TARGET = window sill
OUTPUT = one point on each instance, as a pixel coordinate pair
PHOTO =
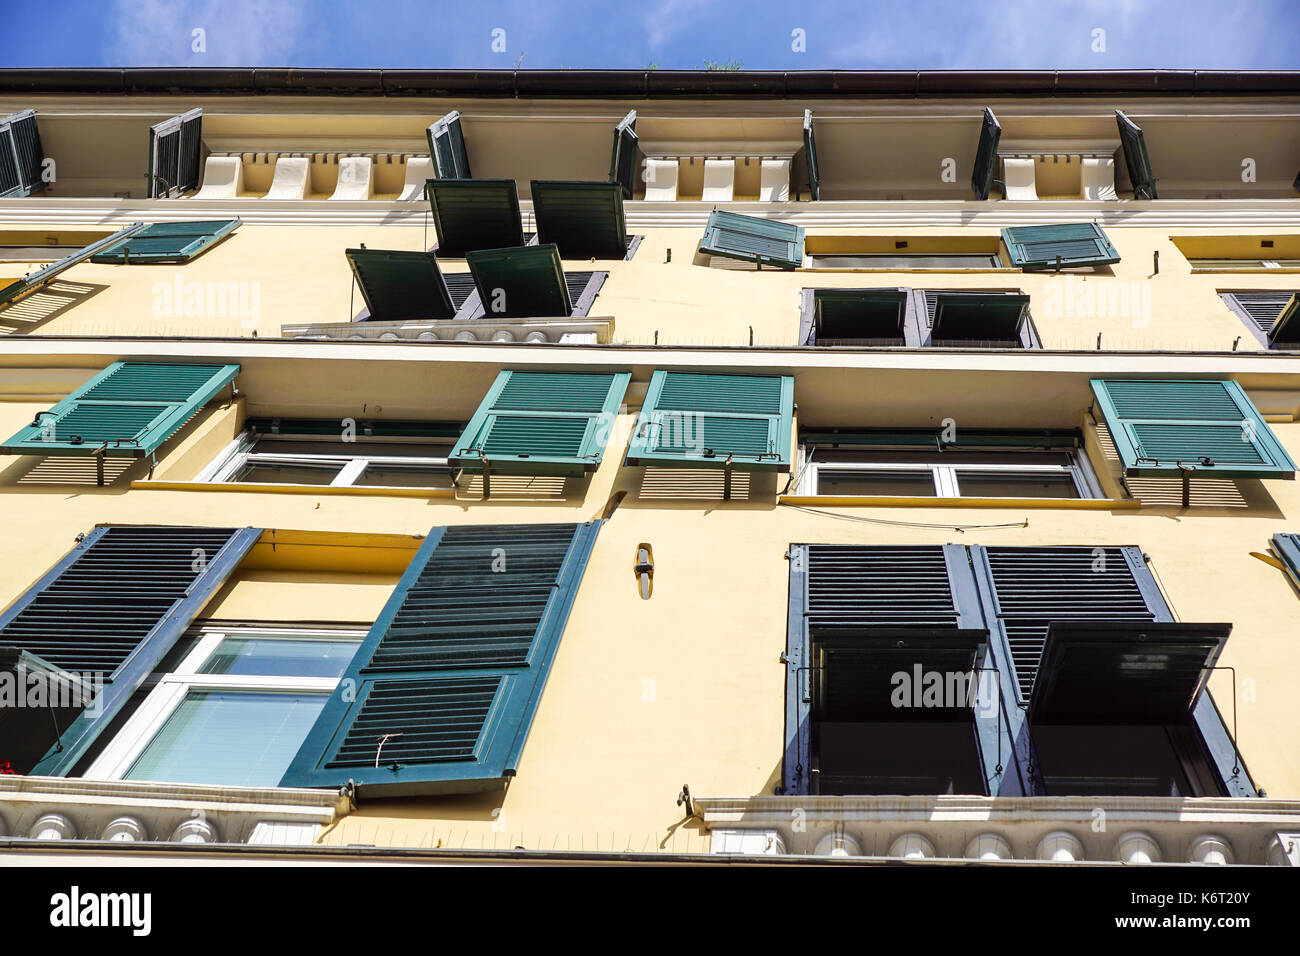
(355, 491)
(930, 271)
(879, 501)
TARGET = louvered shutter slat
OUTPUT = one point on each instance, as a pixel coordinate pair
(21, 155)
(449, 678)
(447, 148)
(583, 220)
(473, 214)
(1061, 245)
(400, 285)
(750, 239)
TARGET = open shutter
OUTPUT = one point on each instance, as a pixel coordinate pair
(584, 220)
(400, 284)
(21, 288)
(1058, 246)
(1167, 428)
(175, 155)
(1286, 328)
(622, 160)
(521, 282)
(707, 420)
(441, 694)
(1287, 547)
(21, 155)
(750, 239)
(810, 156)
(1136, 158)
(471, 214)
(535, 423)
(447, 148)
(986, 156)
(855, 317)
(126, 411)
(168, 242)
(1260, 310)
(113, 608)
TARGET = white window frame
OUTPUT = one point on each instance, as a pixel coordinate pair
(171, 688)
(239, 454)
(944, 476)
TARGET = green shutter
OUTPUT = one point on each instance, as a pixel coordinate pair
(1136, 158)
(1286, 329)
(810, 156)
(447, 148)
(399, 284)
(114, 607)
(472, 214)
(440, 696)
(21, 156)
(584, 220)
(127, 411)
(622, 160)
(542, 423)
(168, 242)
(175, 154)
(995, 319)
(986, 156)
(860, 317)
(701, 419)
(751, 239)
(1211, 427)
(1059, 246)
(520, 283)
(23, 287)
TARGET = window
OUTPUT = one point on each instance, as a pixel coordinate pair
(314, 452)
(1276, 253)
(234, 711)
(919, 465)
(917, 318)
(902, 254)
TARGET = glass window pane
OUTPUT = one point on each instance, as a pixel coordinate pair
(260, 472)
(404, 476)
(281, 657)
(899, 483)
(230, 738)
(274, 445)
(1009, 484)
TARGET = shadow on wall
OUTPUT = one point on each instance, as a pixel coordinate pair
(39, 307)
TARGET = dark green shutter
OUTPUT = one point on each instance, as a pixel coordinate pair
(703, 419)
(21, 156)
(751, 239)
(1261, 310)
(472, 214)
(995, 320)
(986, 156)
(536, 423)
(860, 317)
(584, 220)
(1164, 428)
(168, 242)
(1285, 332)
(1287, 547)
(441, 694)
(810, 156)
(1058, 246)
(521, 282)
(447, 148)
(175, 155)
(127, 411)
(21, 288)
(114, 606)
(622, 160)
(399, 285)
(1136, 158)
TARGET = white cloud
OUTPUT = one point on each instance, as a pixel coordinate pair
(664, 19)
(161, 33)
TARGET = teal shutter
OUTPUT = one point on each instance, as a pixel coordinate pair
(521, 282)
(986, 156)
(471, 214)
(542, 423)
(126, 411)
(21, 156)
(584, 220)
(751, 239)
(708, 420)
(168, 242)
(23, 287)
(1164, 428)
(113, 607)
(175, 155)
(1136, 158)
(447, 148)
(622, 160)
(1059, 246)
(441, 694)
(810, 156)
(400, 284)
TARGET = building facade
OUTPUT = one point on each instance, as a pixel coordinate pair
(649, 465)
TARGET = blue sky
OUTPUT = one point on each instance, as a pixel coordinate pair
(672, 34)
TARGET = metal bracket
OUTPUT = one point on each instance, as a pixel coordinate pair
(487, 474)
(726, 477)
